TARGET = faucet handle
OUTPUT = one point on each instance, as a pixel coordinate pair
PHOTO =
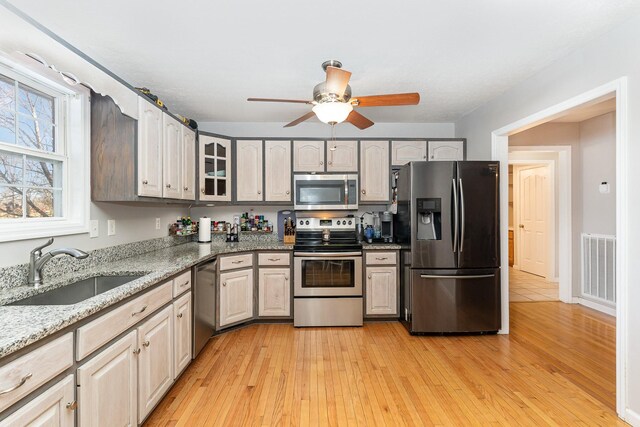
(39, 248)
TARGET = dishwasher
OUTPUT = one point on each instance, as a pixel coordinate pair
(204, 304)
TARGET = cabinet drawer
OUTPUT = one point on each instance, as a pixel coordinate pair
(182, 283)
(273, 258)
(387, 258)
(23, 375)
(236, 261)
(95, 334)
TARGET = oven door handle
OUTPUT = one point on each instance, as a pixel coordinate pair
(326, 254)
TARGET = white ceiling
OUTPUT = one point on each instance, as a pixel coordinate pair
(204, 58)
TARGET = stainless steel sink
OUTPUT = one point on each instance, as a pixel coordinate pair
(78, 291)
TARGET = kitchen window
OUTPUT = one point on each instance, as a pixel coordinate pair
(44, 140)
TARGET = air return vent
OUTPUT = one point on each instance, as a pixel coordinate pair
(598, 268)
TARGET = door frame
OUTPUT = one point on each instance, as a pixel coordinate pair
(500, 152)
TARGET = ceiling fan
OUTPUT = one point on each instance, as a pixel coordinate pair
(333, 103)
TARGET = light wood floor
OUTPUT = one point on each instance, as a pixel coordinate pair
(557, 367)
(526, 287)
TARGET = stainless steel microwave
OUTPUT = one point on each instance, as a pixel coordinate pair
(325, 191)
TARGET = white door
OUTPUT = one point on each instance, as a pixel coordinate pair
(236, 296)
(172, 157)
(533, 210)
(308, 156)
(403, 152)
(277, 171)
(149, 149)
(381, 290)
(274, 292)
(342, 156)
(107, 386)
(215, 168)
(48, 409)
(446, 150)
(182, 333)
(188, 164)
(374, 171)
(155, 368)
(249, 171)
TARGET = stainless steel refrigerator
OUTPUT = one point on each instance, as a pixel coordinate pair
(448, 223)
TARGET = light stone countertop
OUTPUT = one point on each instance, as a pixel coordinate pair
(24, 325)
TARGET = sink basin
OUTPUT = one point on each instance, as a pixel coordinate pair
(78, 291)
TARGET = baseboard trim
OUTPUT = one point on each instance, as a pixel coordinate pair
(596, 306)
(632, 417)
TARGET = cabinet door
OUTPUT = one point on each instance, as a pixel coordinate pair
(342, 156)
(308, 156)
(274, 292)
(182, 333)
(107, 386)
(215, 168)
(381, 290)
(446, 150)
(277, 171)
(403, 152)
(171, 158)
(155, 363)
(188, 164)
(249, 176)
(236, 296)
(47, 409)
(149, 149)
(374, 171)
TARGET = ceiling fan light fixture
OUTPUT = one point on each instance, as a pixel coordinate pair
(332, 112)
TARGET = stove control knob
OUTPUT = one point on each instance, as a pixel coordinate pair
(350, 222)
(306, 222)
(301, 222)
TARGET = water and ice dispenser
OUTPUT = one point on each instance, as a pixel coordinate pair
(429, 215)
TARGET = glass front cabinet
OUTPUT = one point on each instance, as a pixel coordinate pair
(215, 168)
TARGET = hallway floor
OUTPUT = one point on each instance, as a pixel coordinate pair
(526, 287)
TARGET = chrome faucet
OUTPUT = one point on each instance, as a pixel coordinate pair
(37, 260)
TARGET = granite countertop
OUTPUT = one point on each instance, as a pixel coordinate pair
(24, 325)
(381, 246)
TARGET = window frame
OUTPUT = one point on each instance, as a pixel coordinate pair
(72, 139)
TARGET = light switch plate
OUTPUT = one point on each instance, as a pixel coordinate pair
(111, 227)
(94, 228)
(157, 223)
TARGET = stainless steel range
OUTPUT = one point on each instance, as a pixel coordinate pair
(327, 273)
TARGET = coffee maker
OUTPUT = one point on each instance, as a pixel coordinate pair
(386, 222)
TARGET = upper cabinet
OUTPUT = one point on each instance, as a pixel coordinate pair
(171, 158)
(188, 164)
(150, 133)
(215, 168)
(308, 156)
(342, 156)
(403, 152)
(446, 150)
(249, 175)
(374, 171)
(277, 171)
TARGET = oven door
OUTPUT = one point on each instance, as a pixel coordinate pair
(326, 192)
(327, 274)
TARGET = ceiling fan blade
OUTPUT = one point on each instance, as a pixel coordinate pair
(337, 80)
(300, 119)
(386, 100)
(295, 101)
(358, 120)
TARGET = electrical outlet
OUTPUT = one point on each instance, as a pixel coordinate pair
(157, 223)
(111, 227)
(94, 228)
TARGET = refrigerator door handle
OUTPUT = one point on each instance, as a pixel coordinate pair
(477, 276)
(455, 216)
(462, 217)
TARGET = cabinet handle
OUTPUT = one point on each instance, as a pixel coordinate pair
(72, 406)
(17, 386)
(381, 258)
(364, 191)
(224, 283)
(286, 277)
(187, 282)
(168, 185)
(369, 277)
(274, 259)
(146, 344)
(136, 351)
(259, 192)
(145, 182)
(138, 312)
(330, 162)
(287, 192)
(237, 262)
(202, 191)
(180, 316)
(321, 163)
(186, 188)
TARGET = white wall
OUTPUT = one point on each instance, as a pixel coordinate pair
(600, 61)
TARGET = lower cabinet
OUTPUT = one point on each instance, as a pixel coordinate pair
(155, 363)
(236, 296)
(181, 334)
(274, 296)
(107, 386)
(382, 290)
(54, 407)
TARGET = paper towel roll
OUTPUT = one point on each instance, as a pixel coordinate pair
(204, 230)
